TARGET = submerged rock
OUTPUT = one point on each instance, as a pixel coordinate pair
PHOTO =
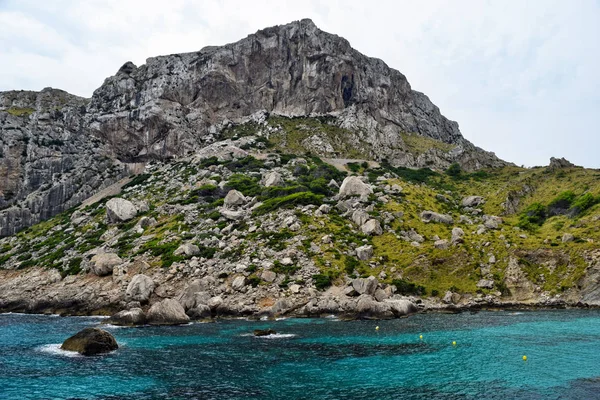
(91, 341)
(264, 332)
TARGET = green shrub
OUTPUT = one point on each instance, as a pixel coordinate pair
(295, 199)
(279, 268)
(350, 264)
(137, 180)
(561, 203)
(532, 216)
(207, 252)
(251, 268)
(246, 164)
(322, 281)
(454, 170)
(73, 267)
(354, 167)
(408, 288)
(253, 280)
(583, 203)
(245, 184)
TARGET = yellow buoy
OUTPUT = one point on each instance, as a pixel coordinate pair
(454, 343)
(421, 337)
(524, 358)
(376, 328)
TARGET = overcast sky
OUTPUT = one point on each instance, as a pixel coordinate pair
(522, 78)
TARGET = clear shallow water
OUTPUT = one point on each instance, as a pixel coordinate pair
(313, 359)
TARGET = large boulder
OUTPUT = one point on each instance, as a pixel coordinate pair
(354, 186)
(365, 285)
(133, 317)
(102, 264)
(140, 288)
(360, 217)
(492, 221)
(167, 312)
(233, 215)
(367, 307)
(120, 210)
(234, 199)
(365, 252)
(401, 307)
(430, 216)
(472, 201)
(273, 178)
(91, 341)
(372, 227)
(187, 249)
(457, 235)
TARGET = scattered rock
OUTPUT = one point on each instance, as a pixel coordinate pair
(187, 249)
(442, 244)
(91, 341)
(167, 312)
(132, 317)
(102, 264)
(430, 216)
(485, 284)
(372, 227)
(238, 283)
(268, 276)
(568, 237)
(354, 186)
(365, 285)
(120, 210)
(472, 201)
(234, 199)
(140, 288)
(273, 178)
(365, 252)
(457, 235)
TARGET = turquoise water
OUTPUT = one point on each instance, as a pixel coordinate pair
(313, 359)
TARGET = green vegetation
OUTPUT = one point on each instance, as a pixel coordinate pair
(20, 112)
(296, 199)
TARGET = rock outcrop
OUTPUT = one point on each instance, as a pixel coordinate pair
(167, 312)
(91, 341)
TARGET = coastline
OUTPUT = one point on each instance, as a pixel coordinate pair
(42, 291)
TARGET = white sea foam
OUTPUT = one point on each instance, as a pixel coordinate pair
(277, 336)
(56, 350)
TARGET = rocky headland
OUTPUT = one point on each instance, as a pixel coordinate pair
(282, 175)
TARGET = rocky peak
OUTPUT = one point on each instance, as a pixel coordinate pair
(559, 163)
(174, 104)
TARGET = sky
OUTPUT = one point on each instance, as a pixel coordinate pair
(522, 78)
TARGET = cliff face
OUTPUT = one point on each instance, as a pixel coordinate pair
(57, 149)
(48, 161)
(173, 104)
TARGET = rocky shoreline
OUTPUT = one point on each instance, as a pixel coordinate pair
(135, 299)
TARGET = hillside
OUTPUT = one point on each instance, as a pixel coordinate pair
(56, 149)
(245, 228)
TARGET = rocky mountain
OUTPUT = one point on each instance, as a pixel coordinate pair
(56, 149)
(285, 174)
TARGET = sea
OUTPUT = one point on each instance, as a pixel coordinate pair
(425, 356)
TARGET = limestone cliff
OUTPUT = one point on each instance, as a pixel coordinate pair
(57, 149)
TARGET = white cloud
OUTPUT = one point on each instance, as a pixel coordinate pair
(520, 77)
